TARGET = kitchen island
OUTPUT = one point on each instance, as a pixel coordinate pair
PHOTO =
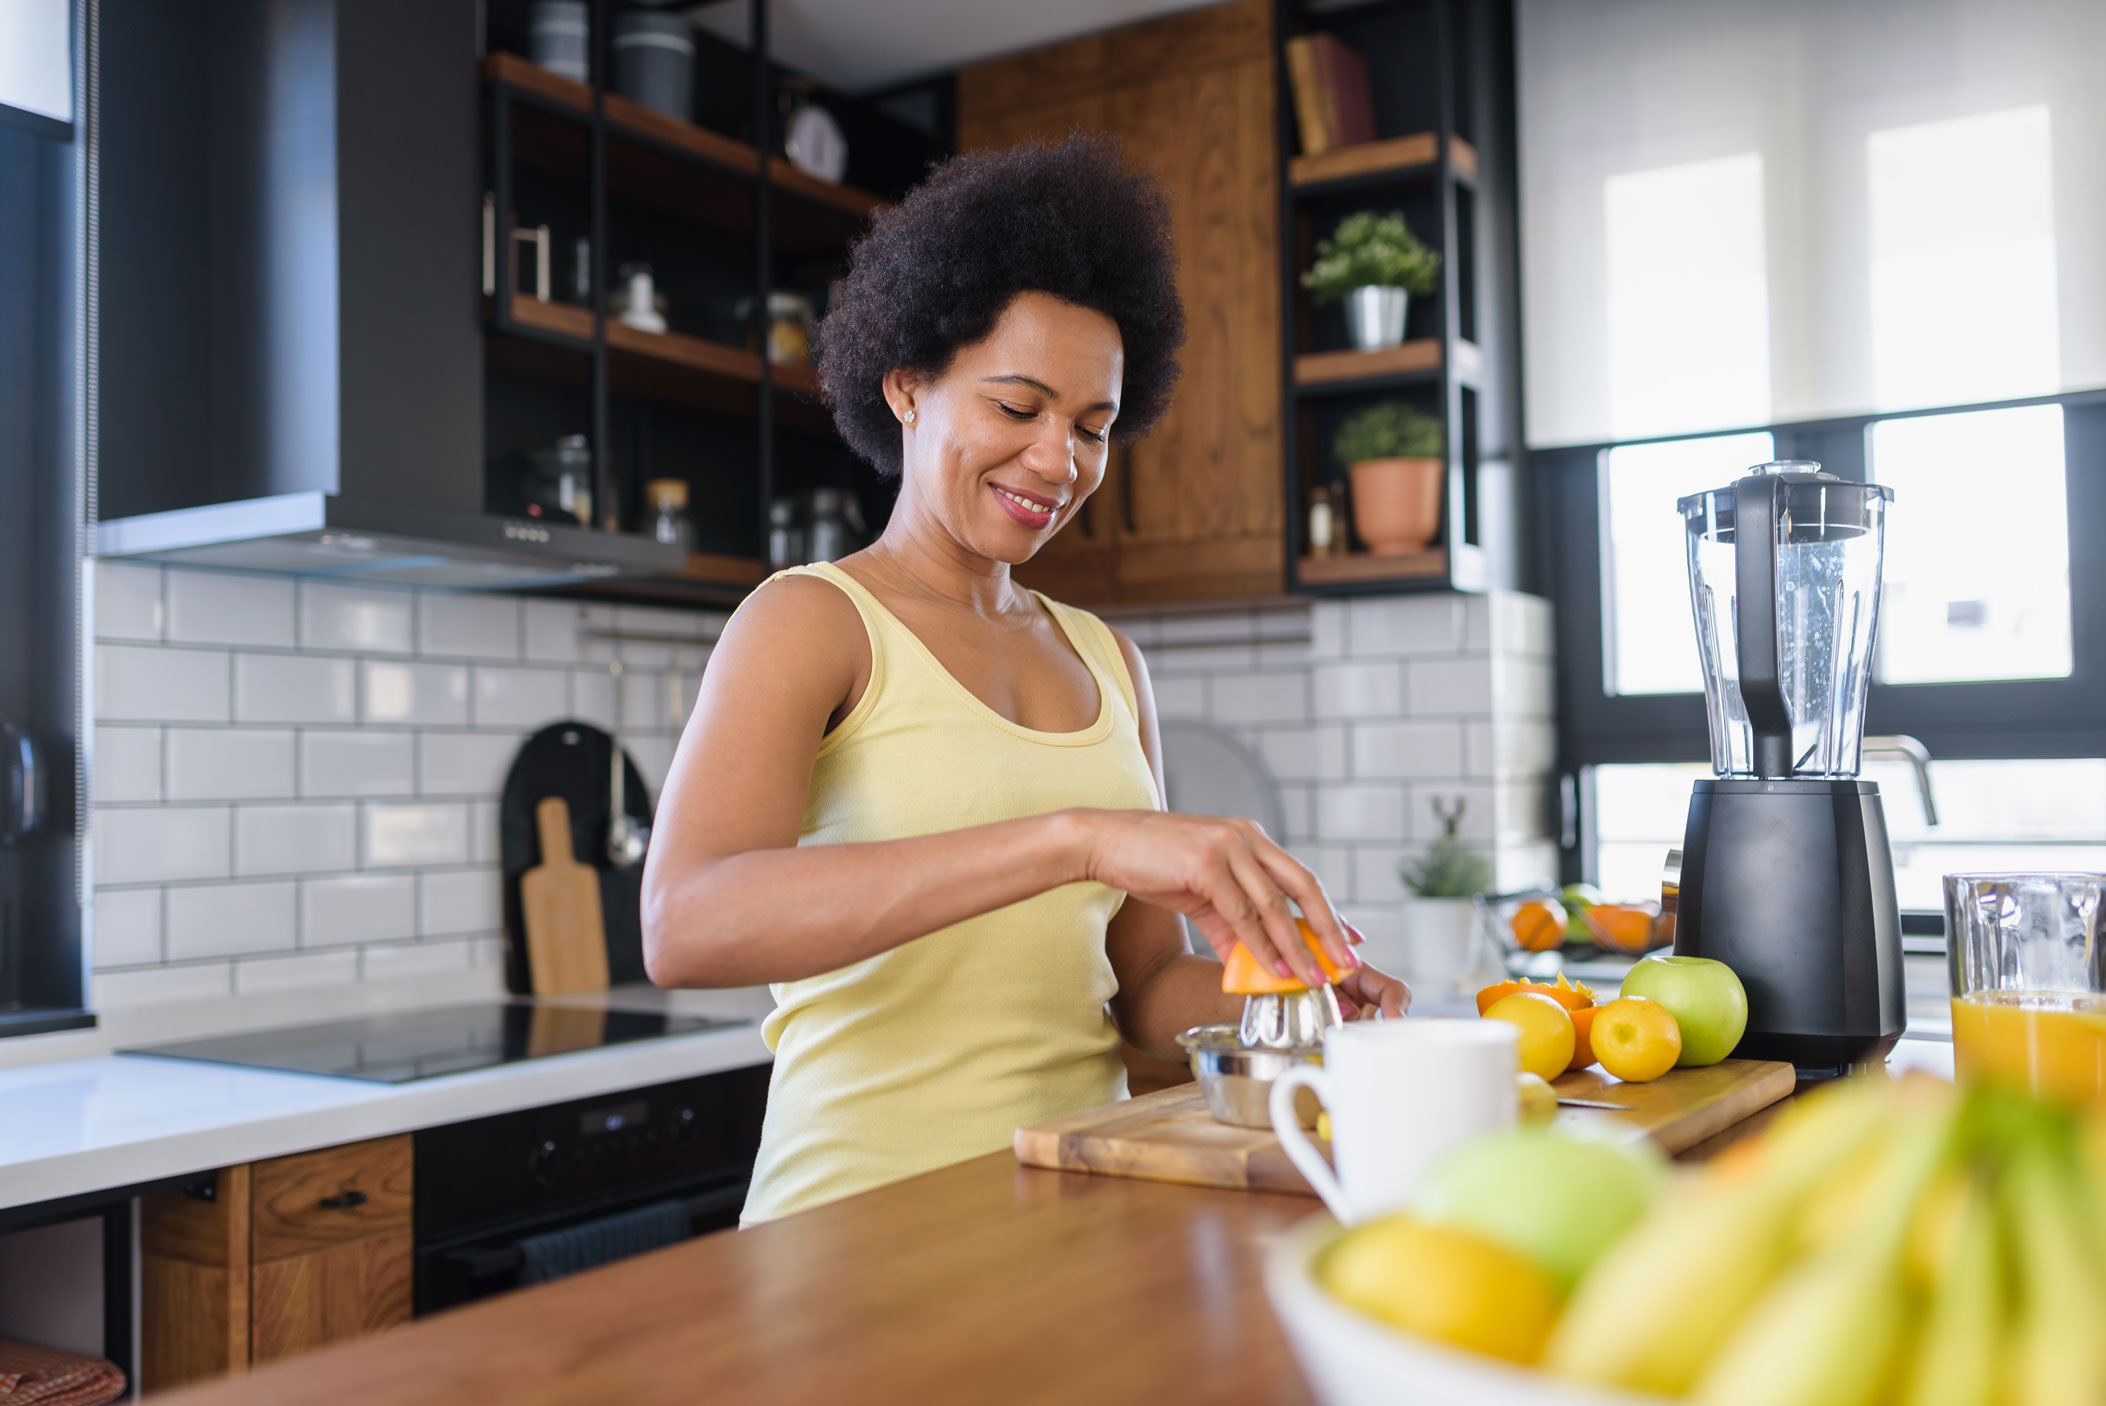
(985, 1281)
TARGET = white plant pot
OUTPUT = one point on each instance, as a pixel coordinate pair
(1375, 316)
(1439, 946)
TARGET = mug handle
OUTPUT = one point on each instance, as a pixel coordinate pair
(1300, 1150)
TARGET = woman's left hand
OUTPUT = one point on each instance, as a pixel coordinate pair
(1367, 994)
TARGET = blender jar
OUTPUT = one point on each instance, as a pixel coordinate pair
(2027, 958)
(1790, 611)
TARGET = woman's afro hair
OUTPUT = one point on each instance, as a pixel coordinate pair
(936, 271)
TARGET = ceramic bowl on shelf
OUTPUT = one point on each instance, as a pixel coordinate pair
(1350, 1359)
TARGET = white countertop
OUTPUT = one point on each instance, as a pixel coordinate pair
(93, 1124)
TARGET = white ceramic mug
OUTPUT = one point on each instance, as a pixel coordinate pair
(1400, 1093)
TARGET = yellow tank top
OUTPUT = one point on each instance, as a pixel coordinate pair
(939, 1049)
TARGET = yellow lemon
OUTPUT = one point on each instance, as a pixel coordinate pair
(1539, 1101)
(1444, 1283)
(1547, 1037)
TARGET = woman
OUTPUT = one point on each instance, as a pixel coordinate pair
(914, 796)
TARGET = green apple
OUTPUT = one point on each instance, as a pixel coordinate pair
(1555, 1199)
(1578, 898)
(1705, 998)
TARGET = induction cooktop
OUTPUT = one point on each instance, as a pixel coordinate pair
(396, 1047)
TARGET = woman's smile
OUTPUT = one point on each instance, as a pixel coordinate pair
(1029, 509)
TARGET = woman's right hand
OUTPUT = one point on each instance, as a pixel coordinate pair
(1225, 875)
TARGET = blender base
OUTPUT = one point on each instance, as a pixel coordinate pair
(1791, 884)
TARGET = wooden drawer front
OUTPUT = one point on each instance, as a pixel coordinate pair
(319, 1199)
(305, 1301)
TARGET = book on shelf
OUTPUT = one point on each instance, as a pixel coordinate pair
(1349, 104)
(1308, 99)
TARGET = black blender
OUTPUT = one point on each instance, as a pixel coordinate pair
(1785, 872)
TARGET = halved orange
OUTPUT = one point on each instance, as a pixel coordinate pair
(1562, 991)
(1242, 976)
(1582, 1040)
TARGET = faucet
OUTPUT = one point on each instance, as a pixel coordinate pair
(1918, 757)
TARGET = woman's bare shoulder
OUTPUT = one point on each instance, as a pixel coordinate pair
(797, 618)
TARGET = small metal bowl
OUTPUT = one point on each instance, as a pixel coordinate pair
(1237, 1080)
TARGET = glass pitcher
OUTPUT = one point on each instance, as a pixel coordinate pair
(1785, 613)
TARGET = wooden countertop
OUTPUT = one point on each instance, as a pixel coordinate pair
(986, 1281)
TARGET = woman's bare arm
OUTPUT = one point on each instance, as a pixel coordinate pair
(730, 900)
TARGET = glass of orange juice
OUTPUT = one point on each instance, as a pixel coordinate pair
(2027, 957)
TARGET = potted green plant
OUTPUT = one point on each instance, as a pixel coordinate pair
(1375, 265)
(1440, 919)
(1395, 457)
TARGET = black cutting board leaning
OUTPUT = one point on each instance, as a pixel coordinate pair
(570, 759)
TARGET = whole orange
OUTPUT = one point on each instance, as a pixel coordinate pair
(1582, 1037)
(1546, 1031)
(1635, 1039)
(1539, 925)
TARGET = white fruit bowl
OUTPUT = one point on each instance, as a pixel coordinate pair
(1353, 1360)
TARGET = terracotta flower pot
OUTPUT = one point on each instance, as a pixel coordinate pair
(1397, 503)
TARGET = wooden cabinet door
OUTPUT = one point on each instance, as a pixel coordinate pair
(1202, 511)
(324, 1296)
(1194, 511)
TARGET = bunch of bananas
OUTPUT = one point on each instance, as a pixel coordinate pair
(1901, 1242)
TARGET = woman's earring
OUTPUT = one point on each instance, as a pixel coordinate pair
(910, 417)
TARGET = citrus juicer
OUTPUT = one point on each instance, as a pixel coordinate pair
(1288, 1020)
(1786, 875)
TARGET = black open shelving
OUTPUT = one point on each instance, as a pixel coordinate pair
(1441, 81)
(721, 221)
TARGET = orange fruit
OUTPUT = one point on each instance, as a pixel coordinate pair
(1582, 1038)
(1635, 1039)
(1562, 991)
(1242, 976)
(1621, 927)
(1539, 925)
(1546, 1031)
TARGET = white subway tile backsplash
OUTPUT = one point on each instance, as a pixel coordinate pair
(151, 985)
(223, 920)
(127, 928)
(1420, 625)
(1327, 629)
(486, 830)
(1511, 747)
(1360, 812)
(1522, 624)
(1297, 813)
(1333, 864)
(1274, 622)
(293, 688)
(229, 763)
(464, 763)
(1359, 690)
(1280, 655)
(127, 765)
(1430, 800)
(128, 604)
(554, 632)
(296, 839)
(1261, 698)
(397, 835)
(1449, 687)
(1169, 661)
(1305, 753)
(356, 619)
(307, 969)
(471, 626)
(215, 607)
(1203, 625)
(140, 683)
(1478, 637)
(162, 845)
(357, 764)
(432, 695)
(646, 707)
(592, 698)
(520, 697)
(404, 960)
(1522, 688)
(1404, 750)
(459, 901)
(1180, 697)
(1375, 877)
(653, 757)
(350, 908)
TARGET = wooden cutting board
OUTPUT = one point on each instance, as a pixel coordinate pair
(559, 899)
(1170, 1136)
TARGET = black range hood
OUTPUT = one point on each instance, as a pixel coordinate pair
(291, 326)
(320, 534)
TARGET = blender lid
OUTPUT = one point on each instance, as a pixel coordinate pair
(1818, 505)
